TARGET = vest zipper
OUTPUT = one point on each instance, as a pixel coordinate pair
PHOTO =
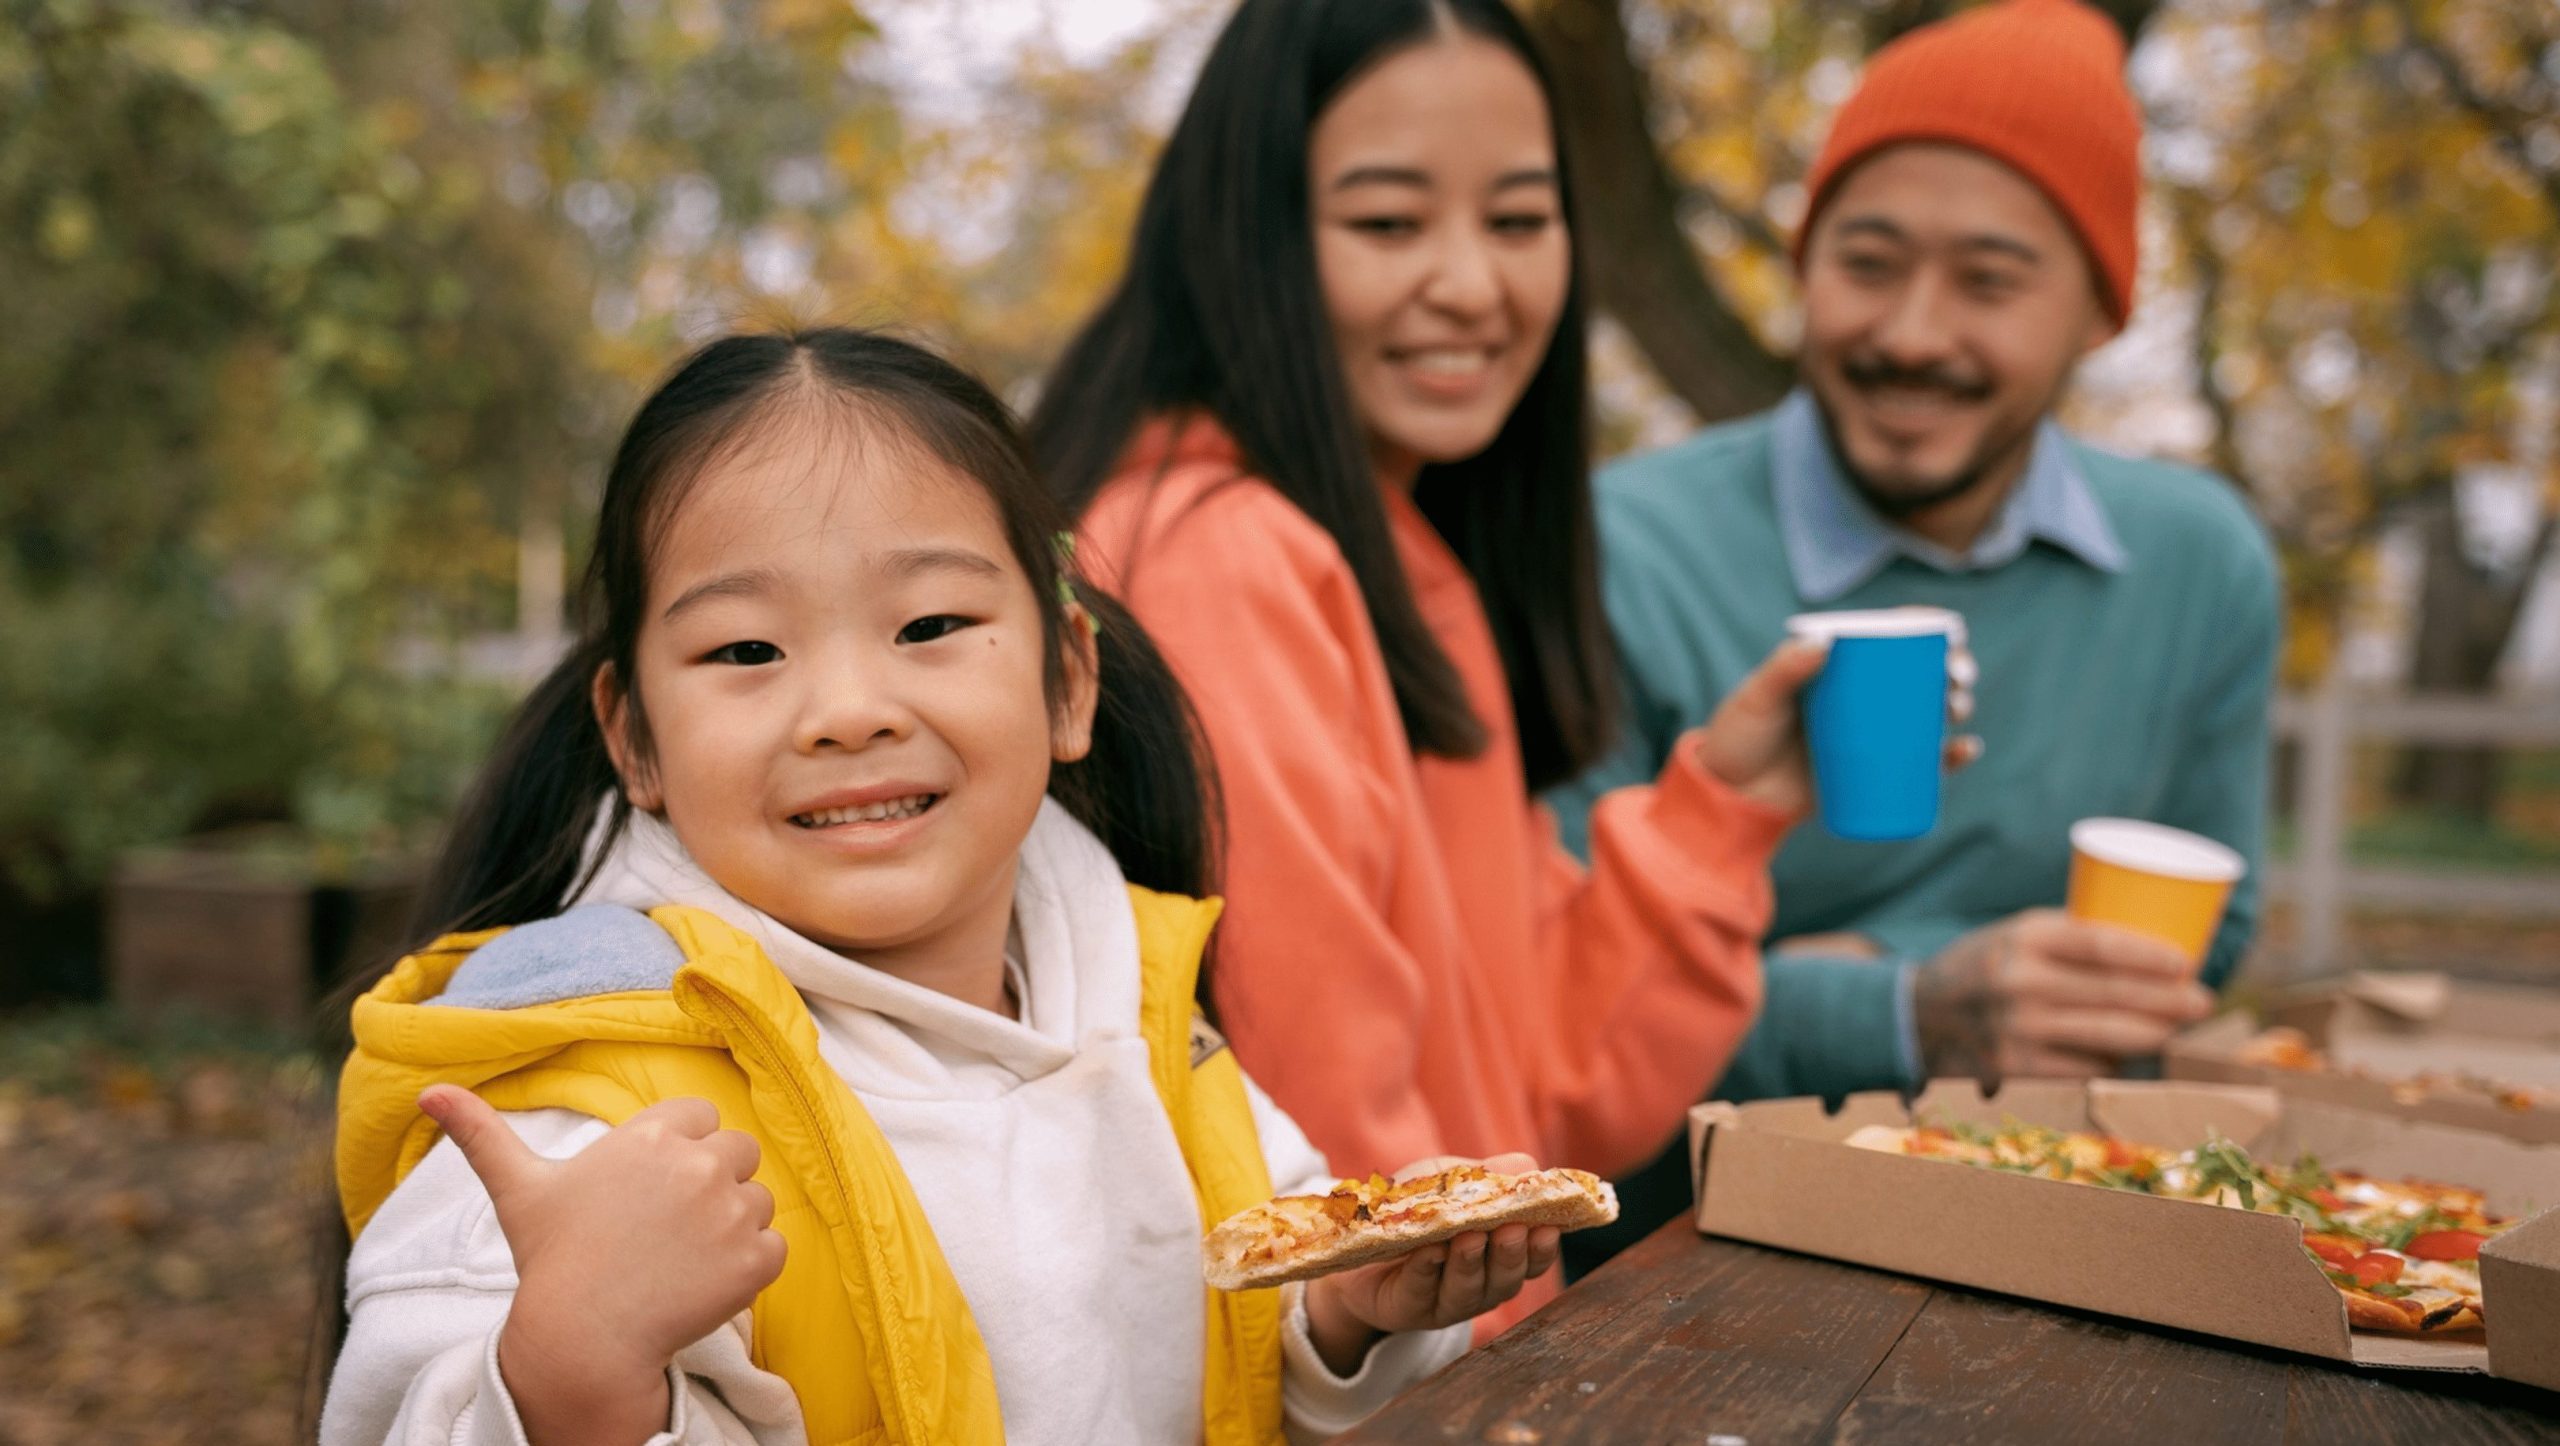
(740, 1025)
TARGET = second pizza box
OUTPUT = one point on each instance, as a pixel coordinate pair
(1777, 1173)
(2418, 1045)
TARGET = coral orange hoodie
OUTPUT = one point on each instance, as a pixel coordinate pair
(1410, 963)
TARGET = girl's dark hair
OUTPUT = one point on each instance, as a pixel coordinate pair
(1222, 310)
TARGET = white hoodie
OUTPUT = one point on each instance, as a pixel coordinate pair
(1038, 1148)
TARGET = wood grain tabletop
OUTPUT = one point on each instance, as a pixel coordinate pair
(1705, 1342)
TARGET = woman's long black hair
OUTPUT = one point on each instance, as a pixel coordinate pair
(517, 848)
(1222, 310)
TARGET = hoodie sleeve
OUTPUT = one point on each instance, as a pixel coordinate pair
(428, 1287)
(1316, 1404)
(1625, 987)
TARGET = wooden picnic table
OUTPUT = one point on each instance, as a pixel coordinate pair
(1705, 1342)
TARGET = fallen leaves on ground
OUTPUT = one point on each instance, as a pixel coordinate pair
(158, 1234)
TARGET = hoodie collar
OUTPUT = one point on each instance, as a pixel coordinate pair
(1074, 938)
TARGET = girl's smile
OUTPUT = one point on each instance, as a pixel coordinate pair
(877, 819)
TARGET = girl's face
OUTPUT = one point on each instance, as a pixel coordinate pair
(1440, 245)
(841, 666)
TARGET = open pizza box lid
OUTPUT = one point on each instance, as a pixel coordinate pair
(2381, 1029)
(1778, 1173)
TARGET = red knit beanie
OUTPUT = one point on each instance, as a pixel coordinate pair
(2035, 84)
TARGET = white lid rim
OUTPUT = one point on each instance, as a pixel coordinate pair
(1903, 622)
(2156, 848)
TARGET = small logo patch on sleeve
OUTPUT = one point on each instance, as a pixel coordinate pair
(1206, 1041)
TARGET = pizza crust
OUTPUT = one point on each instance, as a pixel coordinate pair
(1304, 1236)
(2373, 1313)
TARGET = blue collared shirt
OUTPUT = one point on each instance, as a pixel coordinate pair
(1835, 541)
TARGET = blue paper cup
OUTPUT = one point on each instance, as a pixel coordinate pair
(1876, 718)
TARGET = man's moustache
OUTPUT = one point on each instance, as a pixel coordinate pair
(1870, 377)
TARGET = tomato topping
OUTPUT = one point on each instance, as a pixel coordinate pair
(2121, 1156)
(2447, 1245)
(2376, 1267)
(2328, 1200)
(2338, 1250)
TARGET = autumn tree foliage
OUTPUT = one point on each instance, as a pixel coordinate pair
(322, 311)
(2365, 199)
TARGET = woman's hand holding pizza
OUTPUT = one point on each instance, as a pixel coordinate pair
(1437, 1285)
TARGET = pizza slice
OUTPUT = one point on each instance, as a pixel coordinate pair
(1299, 1237)
(2286, 1048)
(2282, 1046)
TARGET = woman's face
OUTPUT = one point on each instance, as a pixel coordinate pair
(1440, 245)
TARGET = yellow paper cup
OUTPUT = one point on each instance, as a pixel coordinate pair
(2153, 879)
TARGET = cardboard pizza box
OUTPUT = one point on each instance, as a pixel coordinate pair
(1778, 1173)
(2381, 1030)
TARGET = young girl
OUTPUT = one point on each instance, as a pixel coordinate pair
(1328, 440)
(858, 1094)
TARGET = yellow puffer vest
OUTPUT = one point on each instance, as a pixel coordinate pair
(865, 1323)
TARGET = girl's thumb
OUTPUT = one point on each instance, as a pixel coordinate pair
(488, 1146)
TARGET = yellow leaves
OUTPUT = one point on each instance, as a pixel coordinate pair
(34, 1269)
(492, 90)
(2356, 213)
(1727, 160)
(180, 1276)
(2359, 252)
(69, 228)
(825, 25)
(188, 51)
(128, 1087)
(398, 120)
(848, 150)
(2310, 634)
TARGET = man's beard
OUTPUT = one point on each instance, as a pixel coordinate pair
(1895, 504)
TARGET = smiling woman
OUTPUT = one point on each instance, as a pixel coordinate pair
(1327, 438)
(1226, 312)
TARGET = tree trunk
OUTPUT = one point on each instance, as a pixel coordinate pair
(1643, 270)
(2466, 615)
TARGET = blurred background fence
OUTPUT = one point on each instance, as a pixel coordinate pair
(2323, 881)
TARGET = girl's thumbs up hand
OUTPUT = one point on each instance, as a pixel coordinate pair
(636, 1247)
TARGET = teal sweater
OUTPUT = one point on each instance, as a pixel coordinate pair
(2138, 693)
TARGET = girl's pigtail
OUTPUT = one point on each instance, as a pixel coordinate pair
(511, 856)
(519, 839)
(1147, 787)
(515, 847)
